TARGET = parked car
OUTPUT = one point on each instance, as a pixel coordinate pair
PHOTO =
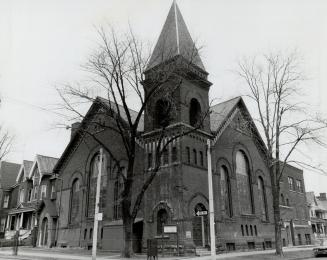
(322, 249)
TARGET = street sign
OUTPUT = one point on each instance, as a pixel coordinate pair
(99, 216)
(201, 213)
(170, 229)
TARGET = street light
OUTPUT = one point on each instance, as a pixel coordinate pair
(211, 209)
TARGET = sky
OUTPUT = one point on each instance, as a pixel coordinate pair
(43, 44)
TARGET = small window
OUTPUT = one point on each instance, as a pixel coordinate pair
(201, 159)
(43, 191)
(290, 183)
(101, 233)
(230, 246)
(268, 244)
(85, 233)
(242, 229)
(247, 230)
(91, 233)
(188, 154)
(174, 154)
(255, 230)
(6, 201)
(299, 186)
(195, 158)
(251, 230)
(287, 203)
(251, 245)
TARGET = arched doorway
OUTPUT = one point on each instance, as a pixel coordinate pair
(162, 219)
(200, 225)
(44, 232)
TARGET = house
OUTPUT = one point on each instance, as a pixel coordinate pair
(318, 214)
(8, 197)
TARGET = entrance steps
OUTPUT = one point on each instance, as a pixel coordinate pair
(202, 251)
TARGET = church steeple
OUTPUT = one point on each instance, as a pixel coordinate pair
(175, 40)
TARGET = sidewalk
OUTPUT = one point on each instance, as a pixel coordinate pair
(81, 254)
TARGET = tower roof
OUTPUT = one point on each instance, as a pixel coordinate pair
(175, 40)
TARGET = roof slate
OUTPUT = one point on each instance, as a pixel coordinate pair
(8, 174)
(122, 113)
(174, 40)
(46, 163)
(220, 112)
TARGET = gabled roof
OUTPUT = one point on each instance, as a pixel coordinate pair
(95, 105)
(8, 174)
(122, 113)
(45, 165)
(220, 112)
(175, 40)
(24, 169)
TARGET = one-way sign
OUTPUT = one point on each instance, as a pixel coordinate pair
(201, 213)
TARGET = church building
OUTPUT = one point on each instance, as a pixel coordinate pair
(178, 195)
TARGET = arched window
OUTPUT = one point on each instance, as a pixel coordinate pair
(262, 199)
(226, 206)
(195, 157)
(162, 219)
(188, 154)
(201, 159)
(74, 201)
(92, 184)
(244, 183)
(195, 113)
(282, 199)
(163, 113)
(119, 185)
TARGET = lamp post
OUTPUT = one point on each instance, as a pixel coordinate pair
(211, 208)
(97, 214)
(57, 227)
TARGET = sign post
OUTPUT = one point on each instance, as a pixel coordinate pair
(211, 209)
(97, 215)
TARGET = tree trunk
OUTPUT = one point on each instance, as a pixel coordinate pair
(277, 222)
(128, 237)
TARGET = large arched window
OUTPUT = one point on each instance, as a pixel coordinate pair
(244, 183)
(92, 184)
(74, 201)
(262, 199)
(163, 113)
(162, 219)
(195, 112)
(226, 205)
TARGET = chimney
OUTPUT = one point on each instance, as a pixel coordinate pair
(74, 128)
(322, 196)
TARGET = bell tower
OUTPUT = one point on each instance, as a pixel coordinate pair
(176, 65)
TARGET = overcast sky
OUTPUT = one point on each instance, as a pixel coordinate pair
(43, 43)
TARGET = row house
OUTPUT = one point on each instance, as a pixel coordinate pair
(28, 194)
(8, 192)
(318, 214)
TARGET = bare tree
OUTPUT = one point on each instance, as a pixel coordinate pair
(5, 142)
(273, 81)
(118, 68)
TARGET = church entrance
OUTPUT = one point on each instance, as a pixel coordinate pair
(200, 225)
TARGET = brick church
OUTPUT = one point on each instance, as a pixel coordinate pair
(179, 194)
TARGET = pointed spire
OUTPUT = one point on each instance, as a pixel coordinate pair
(174, 40)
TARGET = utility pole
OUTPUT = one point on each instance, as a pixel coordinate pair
(96, 213)
(211, 209)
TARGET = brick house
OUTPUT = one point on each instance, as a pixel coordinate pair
(242, 191)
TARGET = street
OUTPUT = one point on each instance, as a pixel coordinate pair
(28, 253)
